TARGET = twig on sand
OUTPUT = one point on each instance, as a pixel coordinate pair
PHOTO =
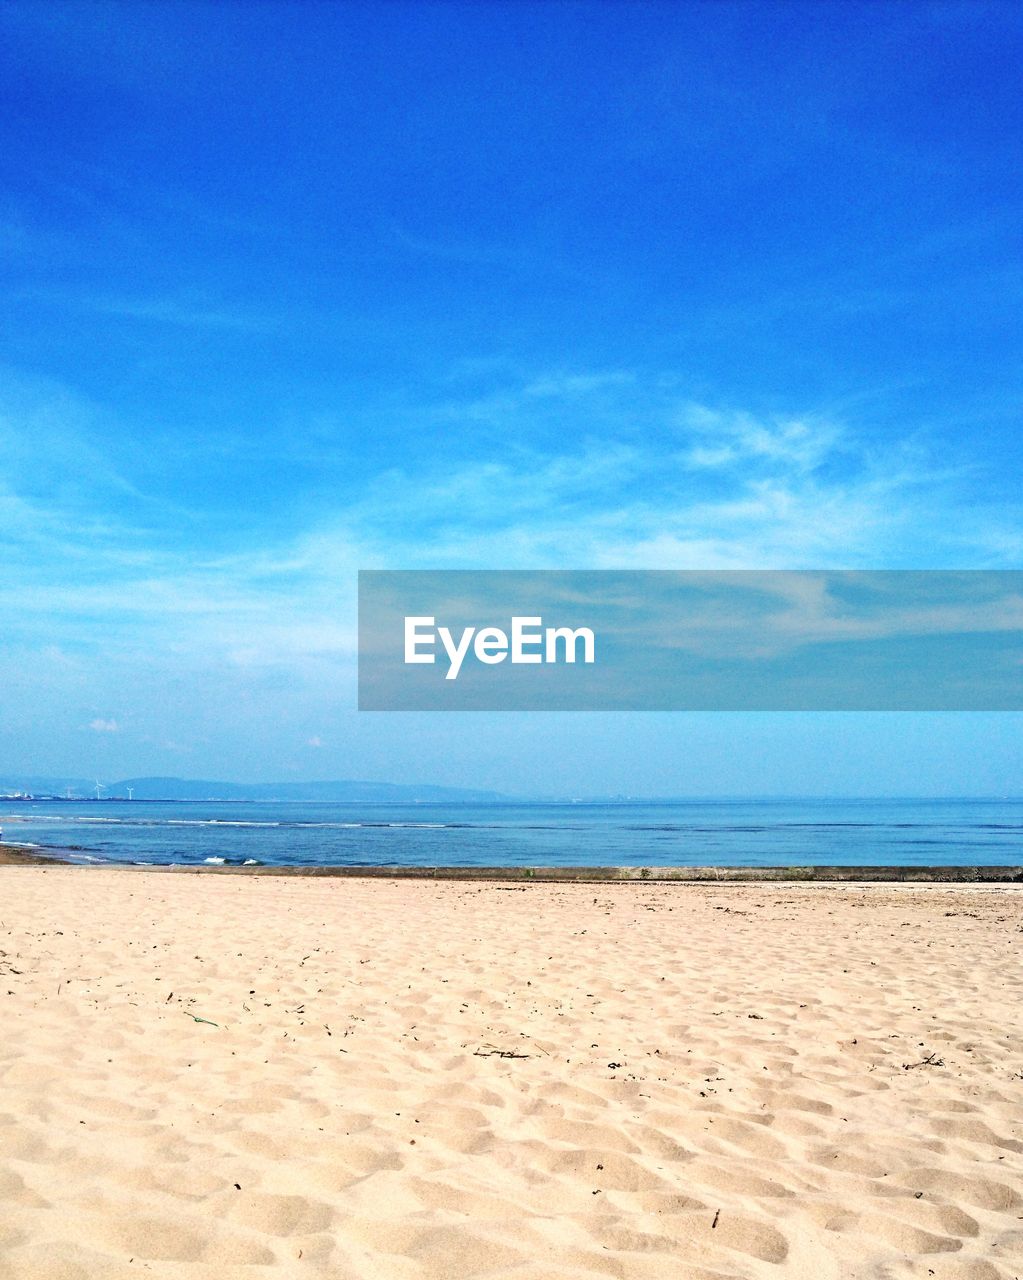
(932, 1060)
(491, 1051)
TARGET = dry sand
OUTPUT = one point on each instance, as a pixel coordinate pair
(438, 1079)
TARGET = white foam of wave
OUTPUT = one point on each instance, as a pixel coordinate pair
(204, 822)
(237, 822)
(40, 818)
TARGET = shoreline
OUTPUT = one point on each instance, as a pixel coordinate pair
(856, 873)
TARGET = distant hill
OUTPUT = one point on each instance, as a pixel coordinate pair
(46, 786)
(197, 789)
(201, 789)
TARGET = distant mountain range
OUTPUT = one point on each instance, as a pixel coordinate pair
(200, 789)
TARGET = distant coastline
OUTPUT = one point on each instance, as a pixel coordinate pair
(340, 791)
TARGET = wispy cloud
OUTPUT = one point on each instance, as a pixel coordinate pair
(507, 256)
(195, 310)
(565, 385)
(189, 313)
(716, 488)
(726, 440)
(721, 489)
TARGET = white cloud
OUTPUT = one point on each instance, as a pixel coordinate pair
(735, 439)
(105, 726)
(567, 385)
(734, 492)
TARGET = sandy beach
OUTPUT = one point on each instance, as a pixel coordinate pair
(227, 1076)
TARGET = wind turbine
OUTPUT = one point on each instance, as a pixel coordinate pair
(100, 786)
(131, 793)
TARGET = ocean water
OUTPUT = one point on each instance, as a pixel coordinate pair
(713, 832)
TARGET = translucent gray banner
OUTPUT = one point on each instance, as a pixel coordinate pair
(653, 640)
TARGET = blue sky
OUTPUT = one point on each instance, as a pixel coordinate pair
(291, 290)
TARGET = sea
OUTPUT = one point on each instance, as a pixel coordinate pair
(692, 832)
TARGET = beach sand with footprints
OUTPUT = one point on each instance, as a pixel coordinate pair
(211, 1076)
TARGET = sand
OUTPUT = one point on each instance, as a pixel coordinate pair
(212, 1076)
